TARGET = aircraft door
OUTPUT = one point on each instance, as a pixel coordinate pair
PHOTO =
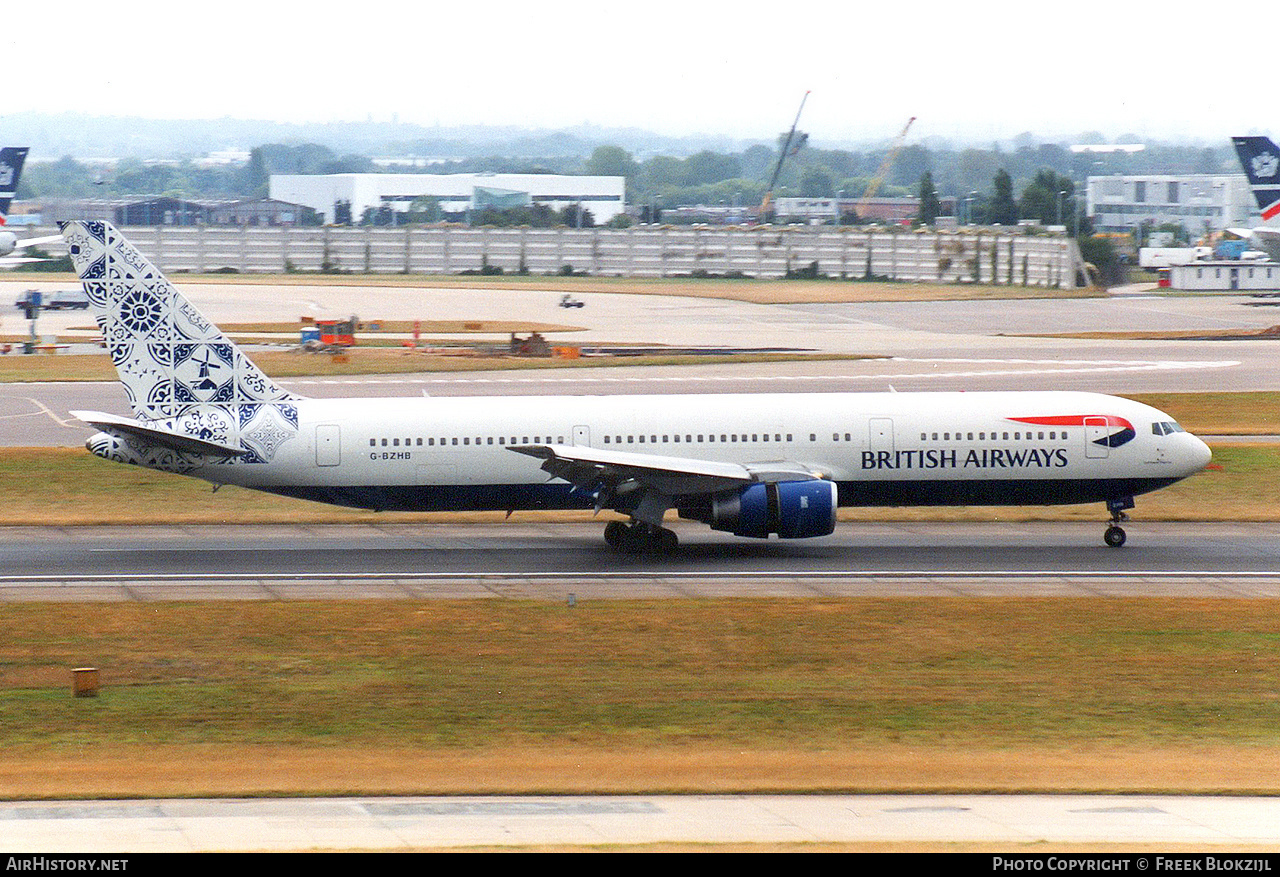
(880, 436)
(328, 445)
(1095, 438)
(582, 436)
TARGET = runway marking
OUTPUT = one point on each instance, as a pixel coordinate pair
(43, 409)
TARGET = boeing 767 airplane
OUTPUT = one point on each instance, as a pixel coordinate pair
(751, 465)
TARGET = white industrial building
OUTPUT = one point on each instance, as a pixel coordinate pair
(457, 194)
(1225, 276)
(1200, 203)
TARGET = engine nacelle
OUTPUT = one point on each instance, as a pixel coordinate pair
(8, 241)
(792, 509)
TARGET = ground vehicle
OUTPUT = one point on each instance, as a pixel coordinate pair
(568, 301)
(72, 299)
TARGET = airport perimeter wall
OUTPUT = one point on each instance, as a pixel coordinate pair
(981, 256)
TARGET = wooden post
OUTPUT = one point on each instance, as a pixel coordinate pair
(84, 681)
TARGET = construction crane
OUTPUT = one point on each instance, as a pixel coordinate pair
(874, 185)
(782, 156)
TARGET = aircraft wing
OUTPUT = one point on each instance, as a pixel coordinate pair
(157, 437)
(616, 472)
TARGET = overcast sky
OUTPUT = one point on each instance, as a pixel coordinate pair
(968, 71)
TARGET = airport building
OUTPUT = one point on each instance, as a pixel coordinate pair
(457, 194)
(1200, 203)
(1230, 276)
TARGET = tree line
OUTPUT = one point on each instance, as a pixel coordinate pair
(992, 185)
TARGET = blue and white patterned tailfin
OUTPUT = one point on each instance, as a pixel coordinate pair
(177, 368)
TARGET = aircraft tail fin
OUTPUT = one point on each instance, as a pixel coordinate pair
(1260, 159)
(11, 161)
(179, 370)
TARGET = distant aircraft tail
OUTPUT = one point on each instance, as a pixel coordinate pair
(1261, 162)
(191, 388)
(11, 161)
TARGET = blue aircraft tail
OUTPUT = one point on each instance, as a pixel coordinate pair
(11, 160)
(1261, 162)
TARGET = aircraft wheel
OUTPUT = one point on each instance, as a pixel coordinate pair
(615, 533)
(1114, 536)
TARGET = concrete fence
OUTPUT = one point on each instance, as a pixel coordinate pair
(980, 256)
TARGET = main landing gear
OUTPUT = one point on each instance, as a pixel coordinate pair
(1114, 534)
(638, 537)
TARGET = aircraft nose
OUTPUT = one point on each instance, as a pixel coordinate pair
(1199, 454)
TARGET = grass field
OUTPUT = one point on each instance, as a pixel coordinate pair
(689, 695)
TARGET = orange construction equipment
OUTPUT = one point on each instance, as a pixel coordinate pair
(337, 333)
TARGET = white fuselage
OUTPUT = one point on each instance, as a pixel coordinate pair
(879, 448)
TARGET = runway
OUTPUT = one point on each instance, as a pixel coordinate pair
(1029, 824)
(553, 561)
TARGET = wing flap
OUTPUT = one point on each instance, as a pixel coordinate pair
(592, 468)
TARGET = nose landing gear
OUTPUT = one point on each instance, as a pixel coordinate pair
(1114, 534)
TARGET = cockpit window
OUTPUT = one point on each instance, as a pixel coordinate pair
(1167, 427)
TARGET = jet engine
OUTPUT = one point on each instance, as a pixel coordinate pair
(792, 509)
(8, 241)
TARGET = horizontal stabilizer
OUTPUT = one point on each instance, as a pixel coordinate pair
(39, 242)
(157, 437)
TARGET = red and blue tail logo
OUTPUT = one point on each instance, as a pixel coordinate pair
(1261, 162)
(11, 159)
(1116, 431)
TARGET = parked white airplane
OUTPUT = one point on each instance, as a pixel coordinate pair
(11, 160)
(747, 464)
